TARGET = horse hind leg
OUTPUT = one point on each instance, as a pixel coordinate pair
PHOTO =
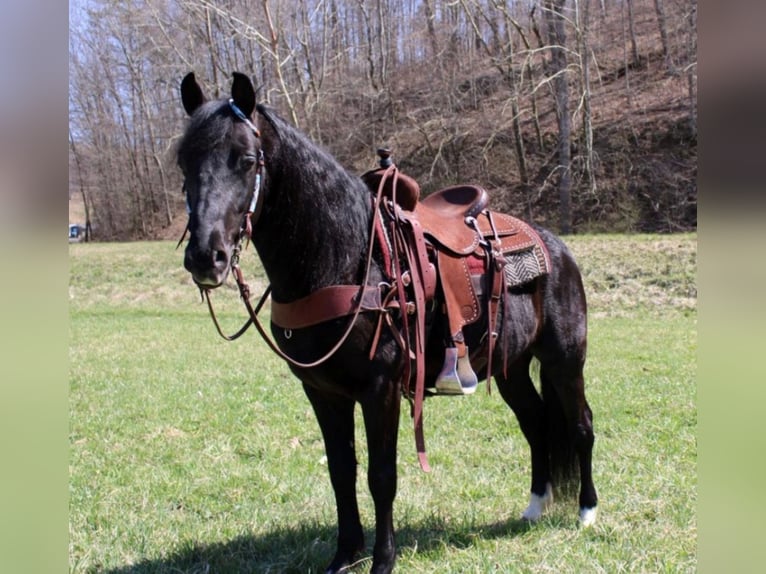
(519, 392)
(561, 348)
(570, 433)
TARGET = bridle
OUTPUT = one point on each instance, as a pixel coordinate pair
(245, 233)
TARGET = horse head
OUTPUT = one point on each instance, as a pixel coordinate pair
(219, 156)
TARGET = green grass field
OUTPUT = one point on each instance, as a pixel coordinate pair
(191, 454)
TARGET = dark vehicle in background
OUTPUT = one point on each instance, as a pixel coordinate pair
(76, 232)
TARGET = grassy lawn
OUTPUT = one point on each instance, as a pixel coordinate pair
(191, 454)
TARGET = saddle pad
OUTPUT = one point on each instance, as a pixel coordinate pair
(520, 268)
(525, 254)
(523, 266)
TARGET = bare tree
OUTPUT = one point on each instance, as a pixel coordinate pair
(559, 76)
(691, 66)
(430, 17)
(582, 18)
(662, 24)
(635, 58)
(529, 73)
(369, 34)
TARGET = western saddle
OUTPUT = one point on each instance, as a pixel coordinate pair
(454, 245)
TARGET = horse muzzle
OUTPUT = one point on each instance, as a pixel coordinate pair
(208, 267)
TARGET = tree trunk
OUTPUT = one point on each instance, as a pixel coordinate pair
(430, 16)
(274, 41)
(626, 60)
(583, 22)
(371, 73)
(632, 29)
(659, 8)
(212, 52)
(560, 78)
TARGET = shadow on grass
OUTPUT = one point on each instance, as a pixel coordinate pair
(308, 549)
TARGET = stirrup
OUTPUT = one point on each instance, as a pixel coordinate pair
(457, 376)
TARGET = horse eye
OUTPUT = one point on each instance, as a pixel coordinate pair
(247, 161)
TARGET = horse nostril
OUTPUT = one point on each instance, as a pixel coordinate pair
(220, 258)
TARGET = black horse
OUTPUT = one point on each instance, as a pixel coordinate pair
(311, 229)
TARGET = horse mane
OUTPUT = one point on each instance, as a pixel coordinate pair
(304, 167)
(312, 197)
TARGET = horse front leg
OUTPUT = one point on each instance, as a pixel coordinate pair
(381, 420)
(336, 420)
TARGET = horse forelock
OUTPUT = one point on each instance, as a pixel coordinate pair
(207, 129)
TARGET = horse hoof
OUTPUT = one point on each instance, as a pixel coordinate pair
(587, 516)
(538, 504)
(342, 562)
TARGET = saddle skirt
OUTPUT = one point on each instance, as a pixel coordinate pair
(509, 244)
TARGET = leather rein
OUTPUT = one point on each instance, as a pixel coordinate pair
(358, 294)
(361, 294)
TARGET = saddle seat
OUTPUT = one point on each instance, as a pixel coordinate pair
(456, 202)
(442, 214)
(445, 215)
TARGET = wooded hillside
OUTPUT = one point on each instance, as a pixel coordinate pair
(577, 114)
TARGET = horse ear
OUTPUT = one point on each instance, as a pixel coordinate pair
(243, 94)
(191, 93)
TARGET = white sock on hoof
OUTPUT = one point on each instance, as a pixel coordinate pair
(587, 516)
(538, 504)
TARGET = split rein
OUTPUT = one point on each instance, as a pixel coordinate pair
(244, 291)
